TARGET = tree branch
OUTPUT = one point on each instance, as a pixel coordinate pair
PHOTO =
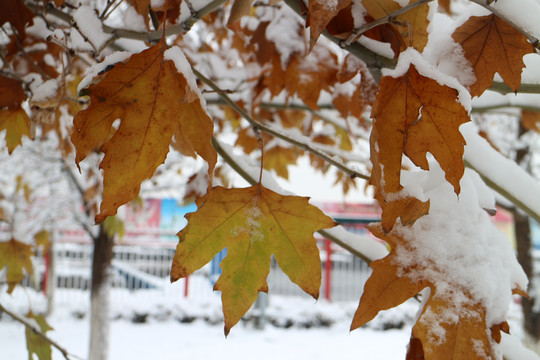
(151, 36)
(36, 331)
(267, 129)
(504, 89)
(373, 61)
(508, 195)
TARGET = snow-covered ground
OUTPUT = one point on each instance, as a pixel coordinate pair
(162, 324)
(297, 328)
(173, 340)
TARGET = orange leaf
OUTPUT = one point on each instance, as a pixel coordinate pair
(321, 12)
(414, 114)
(530, 120)
(11, 93)
(142, 7)
(416, 19)
(252, 223)
(153, 102)
(452, 324)
(17, 14)
(445, 5)
(492, 46)
(15, 256)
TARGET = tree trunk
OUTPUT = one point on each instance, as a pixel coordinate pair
(99, 296)
(531, 317)
(51, 278)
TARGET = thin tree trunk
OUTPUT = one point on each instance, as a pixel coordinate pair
(100, 296)
(51, 278)
(531, 317)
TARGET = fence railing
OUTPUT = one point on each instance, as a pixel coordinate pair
(147, 266)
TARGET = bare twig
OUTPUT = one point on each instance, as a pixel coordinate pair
(269, 130)
(36, 331)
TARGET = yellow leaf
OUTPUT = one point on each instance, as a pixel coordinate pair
(17, 124)
(15, 256)
(252, 223)
(113, 226)
(153, 101)
(43, 239)
(35, 343)
(279, 158)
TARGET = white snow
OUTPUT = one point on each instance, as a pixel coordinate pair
(413, 57)
(182, 66)
(287, 42)
(525, 15)
(458, 248)
(500, 170)
(90, 25)
(45, 91)
(93, 71)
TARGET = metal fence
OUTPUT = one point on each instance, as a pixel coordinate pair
(147, 265)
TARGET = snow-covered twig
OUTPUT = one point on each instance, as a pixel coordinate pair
(374, 62)
(150, 36)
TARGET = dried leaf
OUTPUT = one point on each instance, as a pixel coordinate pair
(492, 46)
(530, 120)
(320, 14)
(142, 7)
(153, 101)
(445, 5)
(17, 14)
(415, 19)
(252, 223)
(414, 115)
(446, 329)
(11, 93)
(16, 256)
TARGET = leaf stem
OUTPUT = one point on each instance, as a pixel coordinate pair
(330, 235)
